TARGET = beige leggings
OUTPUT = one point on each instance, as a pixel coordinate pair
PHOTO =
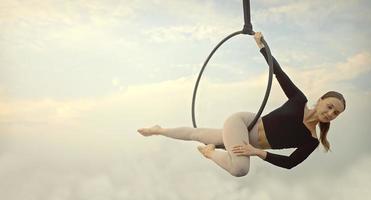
(233, 133)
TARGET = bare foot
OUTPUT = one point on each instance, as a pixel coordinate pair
(154, 130)
(207, 150)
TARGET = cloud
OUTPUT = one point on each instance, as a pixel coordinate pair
(79, 165)
(350, 183)
(43, 111)
(68, 13)
(143, 97)
(186, 33)
(302, 13)
(41, 25)
(78, 19)
(115, 81)
(354, 67)
(101, 156)
(331, 74)
(88, 148)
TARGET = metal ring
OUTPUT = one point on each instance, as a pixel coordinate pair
(269, 85)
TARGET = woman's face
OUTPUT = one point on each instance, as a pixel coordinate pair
(328, 109)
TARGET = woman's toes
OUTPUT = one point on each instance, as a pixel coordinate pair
(154, 130)
(206, 150)
(143, 131)
(201, 149)
(210, 147)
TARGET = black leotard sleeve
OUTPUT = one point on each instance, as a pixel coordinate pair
(288, 87)
(296, 157)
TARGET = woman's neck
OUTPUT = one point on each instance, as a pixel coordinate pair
(310, 117)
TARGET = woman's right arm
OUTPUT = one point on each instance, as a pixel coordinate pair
(288, 87)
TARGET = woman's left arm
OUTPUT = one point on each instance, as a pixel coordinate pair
(261, 154)
(288, 162)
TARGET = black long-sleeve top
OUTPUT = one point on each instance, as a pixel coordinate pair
(284, 126)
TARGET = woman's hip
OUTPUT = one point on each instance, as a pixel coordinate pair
(238, 122)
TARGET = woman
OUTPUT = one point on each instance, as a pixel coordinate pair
(293, 125)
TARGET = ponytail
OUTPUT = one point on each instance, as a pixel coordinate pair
(324, 127)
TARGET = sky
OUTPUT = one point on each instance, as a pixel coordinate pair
(78, 78)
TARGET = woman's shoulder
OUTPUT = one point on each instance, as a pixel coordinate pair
(301, 96)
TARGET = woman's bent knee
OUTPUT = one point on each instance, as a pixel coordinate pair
(239, 171)
(232, 118)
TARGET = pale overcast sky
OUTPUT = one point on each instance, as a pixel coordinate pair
(77, 78)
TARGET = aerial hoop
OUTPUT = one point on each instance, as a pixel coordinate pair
(247, 29)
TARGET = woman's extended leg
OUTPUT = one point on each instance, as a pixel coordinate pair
(204, 135)
(234, 133)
